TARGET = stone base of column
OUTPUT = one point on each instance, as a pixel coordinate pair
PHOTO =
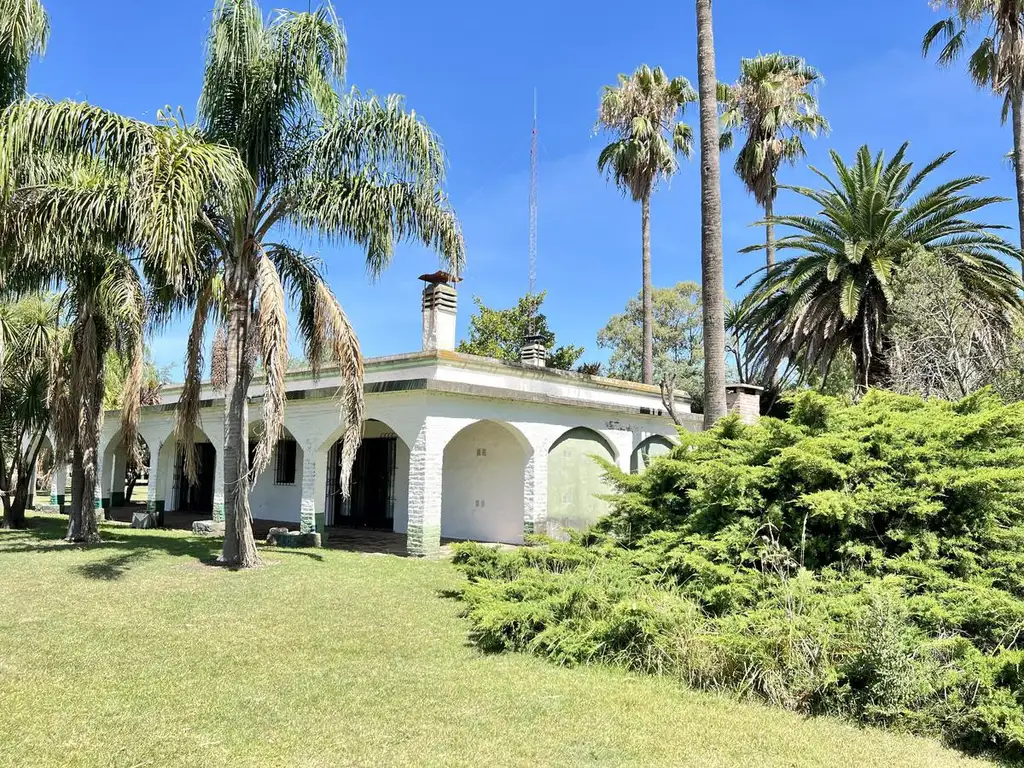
(423, 542)
(218, 511)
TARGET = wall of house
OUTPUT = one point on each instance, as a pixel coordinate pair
(575, 480)
(269, 500)
(482, 485)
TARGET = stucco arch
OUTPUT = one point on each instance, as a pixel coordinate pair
(114, 467)
(483, 480)
(649, 449)
(379, 488)
(575, 480)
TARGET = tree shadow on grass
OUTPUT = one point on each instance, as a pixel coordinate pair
(114, 567)
(45, 534)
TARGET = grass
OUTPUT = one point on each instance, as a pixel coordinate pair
(134, 653)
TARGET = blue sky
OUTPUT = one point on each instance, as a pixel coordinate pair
(469, 68)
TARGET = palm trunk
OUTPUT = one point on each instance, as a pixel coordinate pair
(1017, 109)
(648, 301)
(769, 232)
(713, 287)
(239, 543)
(83, 525)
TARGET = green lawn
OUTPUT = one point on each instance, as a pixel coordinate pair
(133, 653)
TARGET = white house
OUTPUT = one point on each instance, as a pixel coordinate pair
(454, 445)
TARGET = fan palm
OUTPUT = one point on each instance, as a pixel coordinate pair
(997, 63)
(773, 105)
(835, 293)
(642, 111)
(712, 276)
(337, 166)
(24, 30)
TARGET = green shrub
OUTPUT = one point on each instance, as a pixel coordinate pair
(862, 560)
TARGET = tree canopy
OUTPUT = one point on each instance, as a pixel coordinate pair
(678, 338)
(501, 333)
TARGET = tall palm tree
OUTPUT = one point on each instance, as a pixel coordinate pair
(773, 105)
(642, 111)
(84, 187)
(997, 63)
(712, 277)
(24, 29)
(834, 294)
(339, 167)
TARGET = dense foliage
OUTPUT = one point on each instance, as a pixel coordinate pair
(858, 560)
(833, 295)
(501, 333)
(678, 338)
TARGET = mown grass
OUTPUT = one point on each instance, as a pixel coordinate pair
(135, 653)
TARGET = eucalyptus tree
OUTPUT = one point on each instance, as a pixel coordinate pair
(642, 111)
(333, 166)
(835, 294)
(773, 104)
(24, 29)
(997, 62)
(96, 200)
(712, 276)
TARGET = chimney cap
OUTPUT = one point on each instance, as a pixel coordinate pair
(440, 277)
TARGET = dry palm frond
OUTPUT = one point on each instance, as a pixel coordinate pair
(188, 403)
(271, 324)
(334, 336)
(219, 358)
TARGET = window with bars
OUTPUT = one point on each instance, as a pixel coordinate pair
(284, 470)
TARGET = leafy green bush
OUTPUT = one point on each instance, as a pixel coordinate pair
(864, 561)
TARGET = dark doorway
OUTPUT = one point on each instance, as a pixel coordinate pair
(198, 496)
(371, 503)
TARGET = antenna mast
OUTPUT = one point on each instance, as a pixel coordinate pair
(533, 212)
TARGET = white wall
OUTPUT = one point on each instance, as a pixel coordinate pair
(482, 485)
(269, 501)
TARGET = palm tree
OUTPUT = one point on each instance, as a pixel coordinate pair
(834, 295)
(24, 29)
(712, 278)
(35, 349)
(772, 104)
(642, 112)
(339, 167)
(84, 187)
(997, 63)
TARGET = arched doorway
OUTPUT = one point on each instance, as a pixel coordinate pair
(482, 484)
(650, 449)
(575, 480)
(124, 480)
(195, 497)
(379, 489)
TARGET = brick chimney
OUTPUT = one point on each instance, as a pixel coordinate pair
(745, 400)
(439, 305)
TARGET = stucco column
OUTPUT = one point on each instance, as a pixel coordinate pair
(119, 465)
(156, 480)
(102, 496)
(535, 493)
(311, 513)
(426, 458)
(58, 486)
(218, 483)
